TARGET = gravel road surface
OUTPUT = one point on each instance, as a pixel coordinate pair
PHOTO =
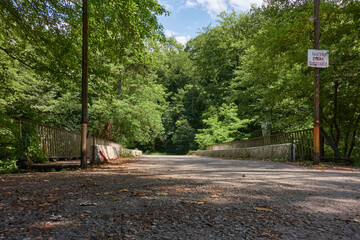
(182, 197)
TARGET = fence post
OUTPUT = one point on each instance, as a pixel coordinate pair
(293, 157)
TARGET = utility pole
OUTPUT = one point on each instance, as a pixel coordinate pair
(84, 95)
(316, 85)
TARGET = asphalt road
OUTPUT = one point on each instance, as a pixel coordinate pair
(328, 196)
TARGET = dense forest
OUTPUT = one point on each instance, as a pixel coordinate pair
(152, 93)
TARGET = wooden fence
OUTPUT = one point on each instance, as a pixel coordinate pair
(59, 143)
(302, 139)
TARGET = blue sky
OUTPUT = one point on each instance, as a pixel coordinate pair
(187, 17)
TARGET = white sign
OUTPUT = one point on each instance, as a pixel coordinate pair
(318, 58)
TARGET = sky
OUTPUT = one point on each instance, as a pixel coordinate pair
(188, 17)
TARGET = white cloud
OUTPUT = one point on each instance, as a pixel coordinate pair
(169, 33)
(242, 5)
(183, 39)
(167, 5)
(190, 3)
(214, 7)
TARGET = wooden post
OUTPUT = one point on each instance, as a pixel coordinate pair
(84, 114)
(316, 85)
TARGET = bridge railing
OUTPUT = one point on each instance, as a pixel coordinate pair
(59, 143)
(302, 139)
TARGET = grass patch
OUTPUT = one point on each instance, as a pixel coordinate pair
(307, 163)
(156, 153)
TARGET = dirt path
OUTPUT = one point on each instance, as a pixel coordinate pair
(182, 197)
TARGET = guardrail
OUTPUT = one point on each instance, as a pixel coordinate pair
(302, 139)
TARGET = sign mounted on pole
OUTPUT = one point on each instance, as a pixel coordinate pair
(318, 58)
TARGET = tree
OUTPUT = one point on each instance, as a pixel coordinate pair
(40, 49)
(222, 125)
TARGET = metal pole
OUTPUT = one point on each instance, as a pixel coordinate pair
(316, 85)
(84, 112)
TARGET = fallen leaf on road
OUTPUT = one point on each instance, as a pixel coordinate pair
(209, 224)
(265, 234)
(45, 204)
(345, 219)
(47, 227)
(322, 171)
(46, 181)
(9, 230)
(263, 209)
(193, 202)
(56, 189)
(135, 194)
(215, 196)
(124, 190)
(162, 194)
(243, 175)
(116, 199)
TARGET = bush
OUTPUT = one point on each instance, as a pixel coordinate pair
(126, 154)
(8, 166)
(27, 149)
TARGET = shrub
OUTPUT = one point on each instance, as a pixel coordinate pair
(8, 166)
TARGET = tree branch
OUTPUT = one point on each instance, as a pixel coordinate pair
(18, 59)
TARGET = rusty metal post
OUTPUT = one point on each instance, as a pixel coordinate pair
(84, 95)
(316, 85)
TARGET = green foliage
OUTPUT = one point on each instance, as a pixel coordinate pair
(27, 148)
(223, 125)
(135, 118)
(40, 74)
(126, 155)
(8, 166)
(183, 138)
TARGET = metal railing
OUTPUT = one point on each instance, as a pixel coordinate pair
(302, 139)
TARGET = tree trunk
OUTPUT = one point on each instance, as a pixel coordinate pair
(353, 137)
(335, 120)
(119, 89)
(346, 141)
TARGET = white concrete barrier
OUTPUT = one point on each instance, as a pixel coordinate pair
(285, 152)
(111, 151)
